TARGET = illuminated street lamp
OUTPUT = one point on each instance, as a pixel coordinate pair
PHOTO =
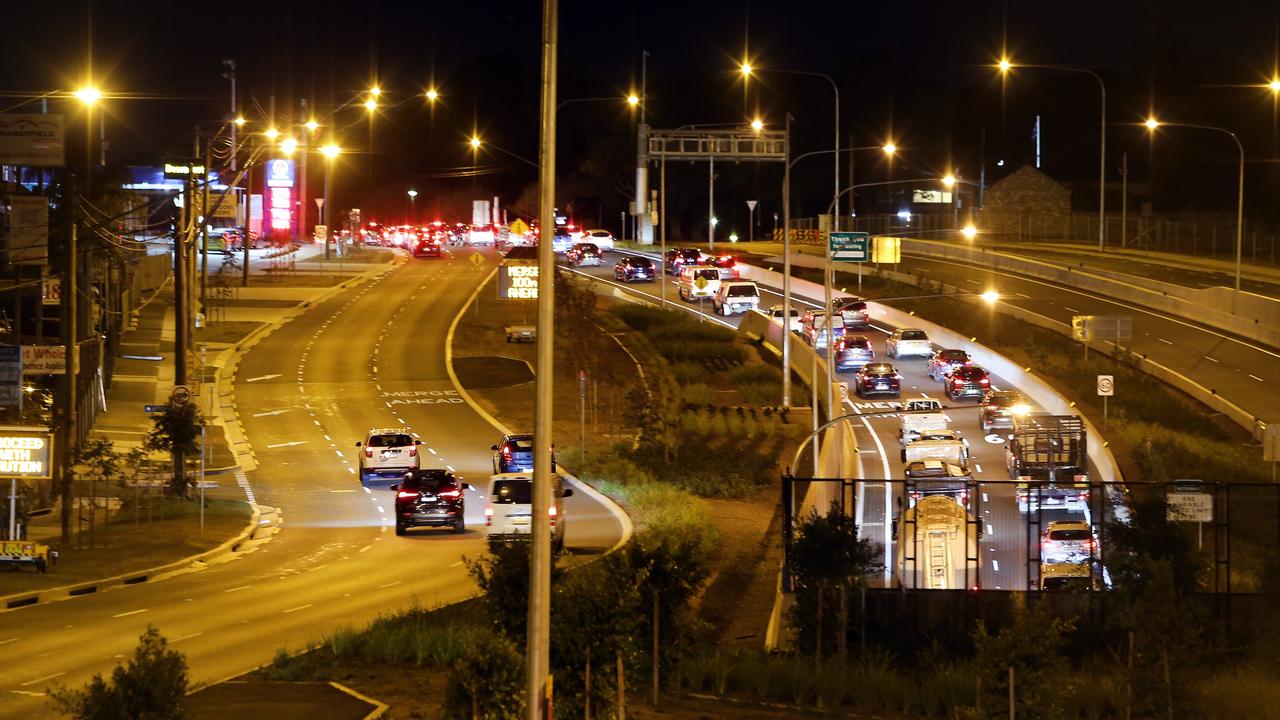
(271, 134)
(633, 100)
(371, 105)
(375, 91)
(970, 231)
(1153, 124)
(757, 125)
(413, 195)
(288, 146)
(475, 142)
(239, 121)
(89, 95)
(1274, 85)
(889, 148)
(311, 125)
(1006, 66)
(949, 180)
(432, 95)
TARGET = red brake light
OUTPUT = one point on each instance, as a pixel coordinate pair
(413, 451)
(451, 493)
(488, 515)
(407, 494)
(368, 452)
(551, 511)
(506, 451)
(958, 382)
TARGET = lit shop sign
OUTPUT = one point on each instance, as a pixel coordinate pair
(280, 173)
(518, 282)
(281, 208)
(180, 170)
(25, 453)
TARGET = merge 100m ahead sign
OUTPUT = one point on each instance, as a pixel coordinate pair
(518, 281)
(26, 453)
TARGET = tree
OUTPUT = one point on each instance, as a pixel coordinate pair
(487, 681)
(151, 686)
(177, 431)
(827, 560)
(503, 577)
(1032, 645)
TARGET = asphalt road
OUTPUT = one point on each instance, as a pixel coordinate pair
(1239, 370)
(370, 357)
(1003, 546)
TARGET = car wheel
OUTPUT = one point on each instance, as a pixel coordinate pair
(459, 527)
(400, 529)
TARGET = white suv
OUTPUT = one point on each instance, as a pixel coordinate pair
(509, 509)
(908, 342)
(388, 452)
(602, 239)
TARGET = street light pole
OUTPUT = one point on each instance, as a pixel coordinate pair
(538, 647)
(1005, 66)
(786, 266)
(1152, 124)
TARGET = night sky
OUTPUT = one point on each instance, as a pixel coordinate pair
(917, 73)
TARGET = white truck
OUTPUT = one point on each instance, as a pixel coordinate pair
(946, 445)
(921, 415)
(736, 296)
(937, 546)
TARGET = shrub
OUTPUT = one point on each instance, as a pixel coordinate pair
(688, 372)
(697, 393)
(643, 317)
(755, 374)
(486, 680)
(152, 685)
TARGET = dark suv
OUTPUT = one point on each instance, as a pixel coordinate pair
(515, 454)
(432, 498)
(680, 257)
(967, 381)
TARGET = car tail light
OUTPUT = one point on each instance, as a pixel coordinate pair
(368, 452)
(551, 512)
(451, 493)
(958, 382)
(488, 515)
(413, 451)
(985, 382)
(506, 452)
(408, 494)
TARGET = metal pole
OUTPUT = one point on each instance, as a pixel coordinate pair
(202, 457)
(711, 203)
(538, 647)
(1239, 213)
(786, 266)
(1102, 170)
(1124, 200)
(304, 147)
(71, 310)
(662, 229)
(835, 215)
(328, 202)
(248, 217)
(828, 278)
(204, 228)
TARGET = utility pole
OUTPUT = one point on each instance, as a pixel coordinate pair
(711, 204)
(304, 149)
(1124, 200)
(71, 346)
(538, 646)
(786, 267)
(204, 230)
(180, 285)
(643, 222)
(248, 217)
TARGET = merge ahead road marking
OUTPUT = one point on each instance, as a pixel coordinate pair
(262, 377)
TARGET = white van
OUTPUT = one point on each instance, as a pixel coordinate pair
(698, 282)
(736, 296)
(509, 507)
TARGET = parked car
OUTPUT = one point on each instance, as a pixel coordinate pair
(508, 511)
(968, 381)
(877, 379)
(908, 342)
(852, 351)
(944, 362)
(387, 452)
(583, 254)
(430, 498)
(632, 268)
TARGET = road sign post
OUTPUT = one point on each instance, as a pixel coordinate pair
(1187, 503)
(751, 220)
(1106, 389)
(854, 247)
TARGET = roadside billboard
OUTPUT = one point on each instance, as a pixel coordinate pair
(32, 140)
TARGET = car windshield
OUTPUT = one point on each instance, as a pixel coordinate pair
(954, 355)
(512, 492)
(390, 440)
(742, 291)
(1069, 535)
(641, 263)
(878, 370)
(707, 274)
(858, 343)
(914, 335)
(968, 373)
(1003, 400)
(852, 305)
(520, 443)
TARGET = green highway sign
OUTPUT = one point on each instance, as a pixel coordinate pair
(850, 246)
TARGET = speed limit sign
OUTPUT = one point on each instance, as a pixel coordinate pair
(1106, 385)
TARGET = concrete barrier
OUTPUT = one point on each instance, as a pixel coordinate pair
(1251, 316)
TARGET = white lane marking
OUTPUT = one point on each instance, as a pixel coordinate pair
(382, 509)
(287, 444)
(29, 683)
(353, 472)
(1255, 377)
(984, 499)
(456, 564)
(977, 467)
(1023, 295)
(995, 565)
(326, 437)
(6, 642)
(186, 637)
(1206, 357)
(338, 453)
(127, 614)
(390, 584)
(270, 412)
(300, 607)
(990, 531)
(262, 377)
(450, 467)
(433, 452)
(342, 491)
(237, 589)
(1166, 342)
(367, 490)
(317, 422)
(366, 548)
(1068, 307)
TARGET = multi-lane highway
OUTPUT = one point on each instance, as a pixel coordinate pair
(369, 357)
(1003, 546)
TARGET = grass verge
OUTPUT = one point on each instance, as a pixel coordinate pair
(134, 540)
(232, 331)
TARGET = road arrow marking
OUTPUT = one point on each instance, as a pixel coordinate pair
(263, 377)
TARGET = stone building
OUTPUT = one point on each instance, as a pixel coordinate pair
(1025, 203)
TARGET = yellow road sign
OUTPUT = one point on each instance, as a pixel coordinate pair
(519, 227)
(477, 259)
